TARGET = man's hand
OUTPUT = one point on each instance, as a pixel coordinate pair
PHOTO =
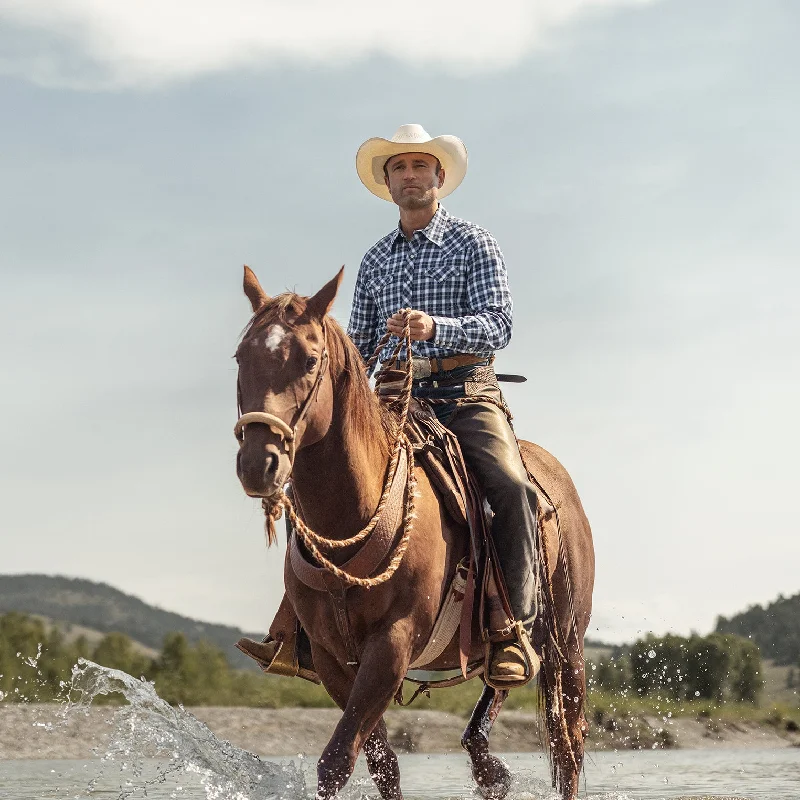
(422, 326)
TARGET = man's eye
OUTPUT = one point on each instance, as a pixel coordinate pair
(311, 362)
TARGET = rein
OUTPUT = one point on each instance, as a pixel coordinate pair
(275, 505)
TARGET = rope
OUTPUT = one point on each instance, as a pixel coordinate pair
(313, 540)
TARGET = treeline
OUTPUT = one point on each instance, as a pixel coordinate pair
(36, 666)
(719, 667)
(105, 609)
(775, 629)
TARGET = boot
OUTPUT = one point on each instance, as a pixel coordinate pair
(513, 663)
(290, 656)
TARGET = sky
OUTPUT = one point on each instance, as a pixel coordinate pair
(637, 162)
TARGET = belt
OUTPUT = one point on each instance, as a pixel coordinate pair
(425, 367)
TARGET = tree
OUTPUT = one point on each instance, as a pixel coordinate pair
(745, 680)
(116, 650)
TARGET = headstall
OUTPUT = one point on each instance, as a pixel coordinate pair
(287, 432)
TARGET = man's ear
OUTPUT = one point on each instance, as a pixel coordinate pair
(252, 288)
(320, 304)
(441, 178)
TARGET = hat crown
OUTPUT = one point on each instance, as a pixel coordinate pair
(410, 134)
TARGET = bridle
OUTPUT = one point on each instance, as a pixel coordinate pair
(287, 432)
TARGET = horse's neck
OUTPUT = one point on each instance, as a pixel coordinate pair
(338, 481)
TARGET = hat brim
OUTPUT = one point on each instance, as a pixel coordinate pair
(374, 153)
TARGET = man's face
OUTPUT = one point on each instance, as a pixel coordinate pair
(413, 179)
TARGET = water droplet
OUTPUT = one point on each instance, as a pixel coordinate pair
(651, 653)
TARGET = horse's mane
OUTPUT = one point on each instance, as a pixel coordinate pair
(364, 414)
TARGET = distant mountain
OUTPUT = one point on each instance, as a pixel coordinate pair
(104, 608)
(775, 629)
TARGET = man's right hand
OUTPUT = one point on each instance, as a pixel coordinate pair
(422, 326)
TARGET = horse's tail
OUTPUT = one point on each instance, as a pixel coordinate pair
(558, 744)
(553, 720)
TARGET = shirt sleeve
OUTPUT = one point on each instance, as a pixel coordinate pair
(363, 327)
(488, 296)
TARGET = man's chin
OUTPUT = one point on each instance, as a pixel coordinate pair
(411, 202)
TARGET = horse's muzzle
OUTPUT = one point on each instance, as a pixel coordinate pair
(262, 471)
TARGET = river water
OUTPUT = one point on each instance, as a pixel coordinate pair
(161, 752)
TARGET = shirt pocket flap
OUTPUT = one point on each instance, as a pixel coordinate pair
(451, 262)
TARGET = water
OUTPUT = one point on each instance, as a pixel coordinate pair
(160, 752)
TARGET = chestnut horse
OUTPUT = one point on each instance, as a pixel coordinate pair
(297, 365)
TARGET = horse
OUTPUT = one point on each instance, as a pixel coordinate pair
(314, 418)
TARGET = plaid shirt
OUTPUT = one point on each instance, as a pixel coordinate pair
(452, 270)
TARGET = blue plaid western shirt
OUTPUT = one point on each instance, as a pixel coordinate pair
(452, 270)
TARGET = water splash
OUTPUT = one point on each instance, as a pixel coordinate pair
(149, 727)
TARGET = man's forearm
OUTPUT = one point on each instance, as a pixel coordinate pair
(475, 333)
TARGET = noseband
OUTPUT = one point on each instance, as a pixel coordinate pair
(288, 433)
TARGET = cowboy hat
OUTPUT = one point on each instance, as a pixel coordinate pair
(374, 153)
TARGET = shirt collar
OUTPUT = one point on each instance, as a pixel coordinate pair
(435, 230)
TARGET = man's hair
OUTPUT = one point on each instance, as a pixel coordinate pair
(438, 164)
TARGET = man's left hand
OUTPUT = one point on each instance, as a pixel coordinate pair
(422, 326)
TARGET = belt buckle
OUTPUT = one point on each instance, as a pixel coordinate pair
(421, 368)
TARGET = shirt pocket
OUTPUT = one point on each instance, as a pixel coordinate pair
(450, 268)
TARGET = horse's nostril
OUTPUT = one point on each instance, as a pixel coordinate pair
(270, 463)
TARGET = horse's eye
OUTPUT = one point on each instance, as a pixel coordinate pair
(311, 362)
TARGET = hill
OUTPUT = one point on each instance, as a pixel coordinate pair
(775, 629)
(103, 608)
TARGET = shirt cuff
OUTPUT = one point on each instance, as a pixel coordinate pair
(448, 332)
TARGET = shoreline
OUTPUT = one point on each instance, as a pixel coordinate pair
(36, 731)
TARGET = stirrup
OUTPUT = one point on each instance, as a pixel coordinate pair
(532, 661)
(277, 657)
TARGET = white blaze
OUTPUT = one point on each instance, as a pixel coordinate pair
(275, 335)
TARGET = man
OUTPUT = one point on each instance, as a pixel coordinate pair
(451, 274)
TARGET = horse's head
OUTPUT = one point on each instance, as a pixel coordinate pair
(285, 391)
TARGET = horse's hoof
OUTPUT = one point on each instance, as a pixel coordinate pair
(493, 779)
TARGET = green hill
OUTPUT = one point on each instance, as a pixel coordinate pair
(103, 608)
(775, 629)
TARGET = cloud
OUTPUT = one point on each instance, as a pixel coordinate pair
(141, 43)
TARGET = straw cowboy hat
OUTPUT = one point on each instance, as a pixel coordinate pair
(374, 153)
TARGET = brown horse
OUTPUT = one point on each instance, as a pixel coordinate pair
(297, 365)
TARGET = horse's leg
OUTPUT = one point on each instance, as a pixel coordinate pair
(382, 763)
(379, 676)
(381, 759)
(491, 775)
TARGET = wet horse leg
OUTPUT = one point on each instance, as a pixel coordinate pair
(379, 675)
(491, 775)
(382, 763)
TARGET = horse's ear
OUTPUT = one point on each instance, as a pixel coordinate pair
(252, 288)
(320, 304)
